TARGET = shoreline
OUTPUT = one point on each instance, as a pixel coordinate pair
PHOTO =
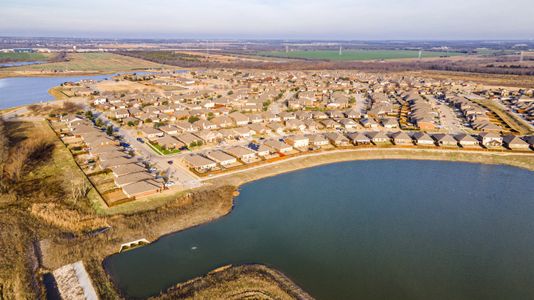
(217, 199)
(240, 177)
(332, 158)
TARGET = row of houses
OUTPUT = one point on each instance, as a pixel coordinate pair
(301, 143)
(128, 173)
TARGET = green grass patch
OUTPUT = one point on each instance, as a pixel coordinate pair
(357, 54)
(160, 150)
(15, 57)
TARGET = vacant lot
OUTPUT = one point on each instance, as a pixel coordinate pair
(356, 54)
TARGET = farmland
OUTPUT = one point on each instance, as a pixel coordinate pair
(16, 57)
(356, 54)
(82, 63)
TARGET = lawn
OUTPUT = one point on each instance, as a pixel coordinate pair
(160, 150)
(356, 54)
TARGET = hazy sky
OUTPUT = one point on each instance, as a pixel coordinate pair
(331, 19)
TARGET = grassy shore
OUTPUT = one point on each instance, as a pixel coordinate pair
(521, 160)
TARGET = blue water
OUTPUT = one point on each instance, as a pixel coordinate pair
(16, 91)
(20, 63)
(364, 230)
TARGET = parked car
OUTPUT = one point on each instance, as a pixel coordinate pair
(169, 183)
(140, 140)
(170, 162)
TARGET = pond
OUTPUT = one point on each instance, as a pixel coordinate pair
(386, 229)
(16, 91)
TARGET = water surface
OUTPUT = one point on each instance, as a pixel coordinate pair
(16, 91)
(21, 63)
(385, 229)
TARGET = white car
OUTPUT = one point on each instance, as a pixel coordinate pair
(169, 183)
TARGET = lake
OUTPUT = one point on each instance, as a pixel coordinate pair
(387, 229)
(20, 63)
(16, 91)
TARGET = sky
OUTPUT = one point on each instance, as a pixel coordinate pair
(271, 19)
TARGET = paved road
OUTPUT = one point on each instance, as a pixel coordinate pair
(449, 120)
(183, 178)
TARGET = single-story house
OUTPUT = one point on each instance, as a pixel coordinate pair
(199, 163)
(515, 143)
(298, 141)
(401, 138)
(142, 188)
(222, 158)
(445, 140)
(358, 138)
(279, 146)
(467, 141)
(337, 139)
(242, 153)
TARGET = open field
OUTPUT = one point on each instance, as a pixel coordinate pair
(500, 80)
(16, 57)
(356, 54)
(82, 63)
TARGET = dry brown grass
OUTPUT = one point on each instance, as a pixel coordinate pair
(66, 219)
(237, 282)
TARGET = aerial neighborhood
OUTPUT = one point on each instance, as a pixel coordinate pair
(178, 128)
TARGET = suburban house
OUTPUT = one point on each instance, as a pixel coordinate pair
(318, 140)
(199, 163)
(142, 188)
(423, 139)
(515, 143)
(467, 141)
(445, 140)
(151, 133)
(337, 139)
(379, 137)
(239, 118)
(261, 149)
(168, 142)
(358, 138)
(189, 139)
(242, 153)
(279, 146)
(401, 138)
(222, 158)
(298, 141)
(491, 139)
(121, 181)
(369, 123)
